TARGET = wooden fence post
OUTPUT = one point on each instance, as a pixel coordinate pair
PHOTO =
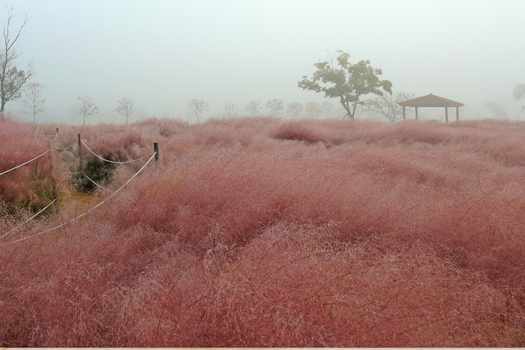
(79, 154)
(52, 159)
(157, 154)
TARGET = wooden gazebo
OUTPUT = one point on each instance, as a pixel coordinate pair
(431, 101)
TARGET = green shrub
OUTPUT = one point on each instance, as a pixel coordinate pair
(99, 171)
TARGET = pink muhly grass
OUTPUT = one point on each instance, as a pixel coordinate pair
(397, 235)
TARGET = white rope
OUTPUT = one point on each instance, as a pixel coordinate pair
(91, 180)
(8, 233)
(95, 183)
(108, 160)
(99, 204)
(25, 163)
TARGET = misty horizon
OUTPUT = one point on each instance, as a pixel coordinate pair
(161, 54)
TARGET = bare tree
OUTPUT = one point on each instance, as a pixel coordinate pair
(34, 99)
(125, 108)
(275, 106)
(197, 108)
(387, 105)
(87, 108)
(12, 79)
(254, 107)
(294, 109)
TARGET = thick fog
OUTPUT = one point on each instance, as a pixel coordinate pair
(161, 54)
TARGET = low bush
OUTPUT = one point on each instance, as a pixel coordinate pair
(95, 171)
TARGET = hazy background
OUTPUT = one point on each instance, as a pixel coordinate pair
(163, 53)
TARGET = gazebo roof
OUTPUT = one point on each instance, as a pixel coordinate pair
(430, 100)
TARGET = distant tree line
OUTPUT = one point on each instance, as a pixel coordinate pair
(347, 81)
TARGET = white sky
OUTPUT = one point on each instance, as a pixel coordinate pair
(163, 53)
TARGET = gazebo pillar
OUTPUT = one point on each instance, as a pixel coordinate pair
(446, 114)
(404, 112)
(457, 113)
(416, 113)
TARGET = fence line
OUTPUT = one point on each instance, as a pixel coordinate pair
(25, 163)
(108, 160)
(76, 218)
(16, 228)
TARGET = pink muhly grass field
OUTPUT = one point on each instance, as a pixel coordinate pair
(19, 143)
(270, 233)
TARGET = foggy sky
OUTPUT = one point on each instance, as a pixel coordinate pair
(161, 53)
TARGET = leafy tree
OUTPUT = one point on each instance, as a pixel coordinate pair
(12, 79)
(125, 108)
(87, 108)
(346, 81)
(519, 94)
(387, 105)
(275, 106)
(34, 99)
(294, 109)
(254, 107)
(198, 107)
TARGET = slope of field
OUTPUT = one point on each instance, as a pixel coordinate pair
(261, 232)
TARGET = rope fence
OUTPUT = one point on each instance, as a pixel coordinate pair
(24, 163)
(31, 160)
(108, 160)
(88, 211)
(16, 228)
(94, 182)
(154, 156)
